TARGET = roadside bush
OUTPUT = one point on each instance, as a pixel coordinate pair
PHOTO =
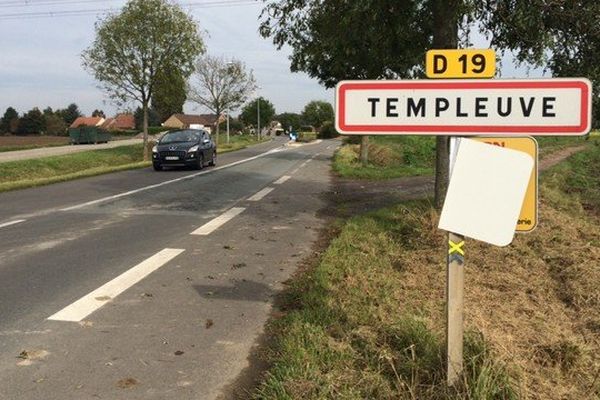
(328, 131)
(353, 139)
(306, 136)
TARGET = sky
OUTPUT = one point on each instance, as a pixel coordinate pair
(40, 64)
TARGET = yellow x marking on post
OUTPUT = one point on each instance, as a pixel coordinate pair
(456, 247)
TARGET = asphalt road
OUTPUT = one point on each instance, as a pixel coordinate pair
(146, 285)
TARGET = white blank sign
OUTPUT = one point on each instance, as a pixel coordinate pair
(486, 192)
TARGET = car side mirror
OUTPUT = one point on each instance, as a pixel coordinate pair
(206, 141)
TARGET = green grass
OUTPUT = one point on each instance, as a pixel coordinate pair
(574, 184)
(43, 171)
(551, 144)
(389, 157)
(398, 156)
(348, 332)
(47, 170)
(237, 142)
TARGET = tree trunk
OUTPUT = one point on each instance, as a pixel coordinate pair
(145, 125)
(217, 130)
(227, 126)
(445, 36)
(364, 150)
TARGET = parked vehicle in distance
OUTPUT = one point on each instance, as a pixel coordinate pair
(184, 148)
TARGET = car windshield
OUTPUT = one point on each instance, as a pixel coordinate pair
(180, 137)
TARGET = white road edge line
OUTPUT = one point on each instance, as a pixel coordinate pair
(4, 225)
(282, 180)
(129, 193)
(259, 196)
(89, 303)
(219, 221)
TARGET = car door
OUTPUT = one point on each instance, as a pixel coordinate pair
(206, 146)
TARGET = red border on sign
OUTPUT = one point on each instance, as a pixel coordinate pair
(474, 129)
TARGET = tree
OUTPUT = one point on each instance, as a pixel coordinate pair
(32, 122)
(288, 120)
(317, 112)
(387, 39)
(153, 118)
(134, 46)
(249, 114)
(55, 125)
(98, 113)
(235, 125)
(10, 121)
(169, 93)
(220, 85)
(70, 114)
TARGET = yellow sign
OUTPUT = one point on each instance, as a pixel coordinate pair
(461, 63)
(529, 213)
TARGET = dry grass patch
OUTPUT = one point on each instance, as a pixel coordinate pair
(368, 321)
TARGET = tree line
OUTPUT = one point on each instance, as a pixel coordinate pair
(388, 39)
(35, 121)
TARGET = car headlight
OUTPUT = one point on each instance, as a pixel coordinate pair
(193, 149)
(155, 149)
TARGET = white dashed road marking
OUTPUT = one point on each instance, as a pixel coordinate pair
(282, 180)
(129, 193)
(219, 221)
(259, 196)
(89, 303)
(4, 225)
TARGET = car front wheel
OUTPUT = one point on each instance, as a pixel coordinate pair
(213, 160)
(200, 162)
(157, 167)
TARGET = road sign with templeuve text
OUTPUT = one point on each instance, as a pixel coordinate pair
(544, 107)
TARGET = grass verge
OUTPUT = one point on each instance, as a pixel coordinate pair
(367, 320)
(398, 156)
(389, 157)
(43, 171)
(238, 142)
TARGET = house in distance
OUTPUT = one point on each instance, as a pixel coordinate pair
(186, 121)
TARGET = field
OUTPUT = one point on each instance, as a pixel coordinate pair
(11, 143)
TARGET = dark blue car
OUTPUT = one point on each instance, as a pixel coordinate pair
(184, 148)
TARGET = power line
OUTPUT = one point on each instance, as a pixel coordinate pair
(83, 12)
(31, 4)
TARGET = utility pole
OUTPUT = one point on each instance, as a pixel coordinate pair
(258, 119)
